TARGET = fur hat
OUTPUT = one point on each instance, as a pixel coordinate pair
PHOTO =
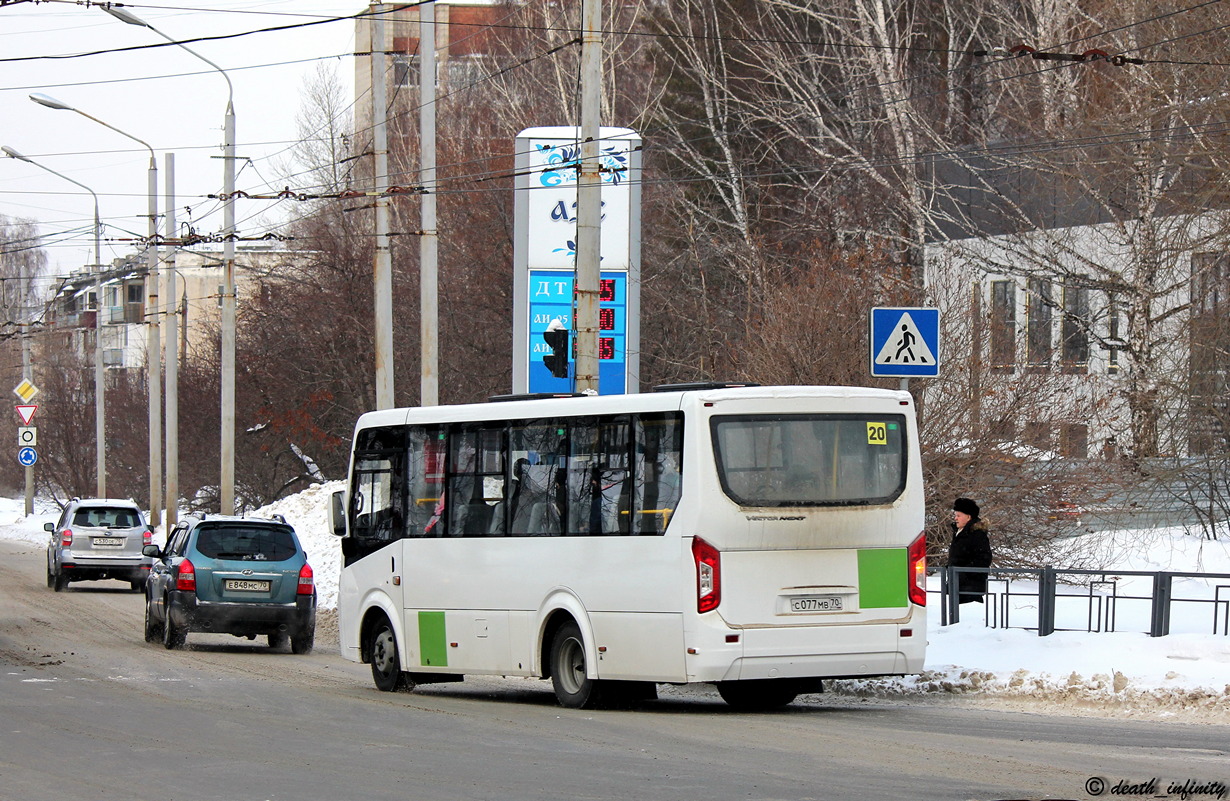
(966, 506)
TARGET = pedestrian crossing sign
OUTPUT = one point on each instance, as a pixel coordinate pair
(905, 342)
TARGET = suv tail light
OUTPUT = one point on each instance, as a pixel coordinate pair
(66, 537)
(307, 584)
(185, 579)
(708, 575)
(147, 538)
(918, 570)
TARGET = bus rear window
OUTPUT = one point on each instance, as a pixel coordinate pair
(810, 460)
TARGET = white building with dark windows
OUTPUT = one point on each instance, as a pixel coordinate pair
(115, 302)
(1057, 338)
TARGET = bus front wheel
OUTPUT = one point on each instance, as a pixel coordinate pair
(754, 694)
(386, 664)
(572, 688)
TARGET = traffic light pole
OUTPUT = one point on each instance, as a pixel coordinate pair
(589, 200)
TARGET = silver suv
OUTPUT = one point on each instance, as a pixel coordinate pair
(98, 539)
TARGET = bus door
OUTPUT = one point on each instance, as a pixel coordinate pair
(378, 511)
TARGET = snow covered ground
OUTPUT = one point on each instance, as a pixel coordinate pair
(1184, 676)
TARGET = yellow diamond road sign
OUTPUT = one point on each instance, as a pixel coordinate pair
(25, 390)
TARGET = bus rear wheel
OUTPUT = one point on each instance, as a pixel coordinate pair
(757, 694)
(386, 664)
(572, 688)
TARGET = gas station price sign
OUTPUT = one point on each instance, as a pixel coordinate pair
(551, 295)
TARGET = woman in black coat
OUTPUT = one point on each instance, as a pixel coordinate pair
(971, 547)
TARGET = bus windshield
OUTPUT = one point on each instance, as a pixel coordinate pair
(810, 460)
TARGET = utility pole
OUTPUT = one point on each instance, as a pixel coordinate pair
(172, 348)
(153, 354)
(226, 490)
(589, 199)
(382, 271)
(429, 302)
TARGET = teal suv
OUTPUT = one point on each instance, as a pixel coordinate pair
(231, 575)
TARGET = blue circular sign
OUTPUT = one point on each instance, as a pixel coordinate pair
(27, 456)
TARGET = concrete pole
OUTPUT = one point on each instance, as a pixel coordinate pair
(100, 372)
(589, 199)
(172, 349)
(429, 301)
(226, 489)
(382, 271)
(153, 355)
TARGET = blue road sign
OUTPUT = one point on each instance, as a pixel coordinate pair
(27, 457)
(905, 342)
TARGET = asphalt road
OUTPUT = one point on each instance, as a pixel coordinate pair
(88, 710)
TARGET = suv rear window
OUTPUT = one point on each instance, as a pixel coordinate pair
(106, 517)
(246, 543)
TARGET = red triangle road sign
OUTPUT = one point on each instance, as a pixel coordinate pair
(27, 412)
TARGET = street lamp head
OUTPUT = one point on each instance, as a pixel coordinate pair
(50, 102)
(13, 154)
(125, 16)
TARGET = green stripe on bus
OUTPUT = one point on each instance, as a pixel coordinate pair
(433, 645)
(882, 578)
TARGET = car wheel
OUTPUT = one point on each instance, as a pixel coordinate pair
(137, 585)
(277, 640)
(572, 688)
(386, 664)
(757, 694)
(172, 636)
(153, 630)
(51, 577)
(303, 643)
(59, 582)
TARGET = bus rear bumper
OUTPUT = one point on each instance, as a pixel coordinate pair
(796, 652)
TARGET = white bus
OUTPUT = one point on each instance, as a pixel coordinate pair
(758, 538)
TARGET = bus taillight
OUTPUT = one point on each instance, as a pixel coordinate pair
(708, 575)
(918, 570)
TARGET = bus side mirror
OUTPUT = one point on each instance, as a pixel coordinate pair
(337, 514)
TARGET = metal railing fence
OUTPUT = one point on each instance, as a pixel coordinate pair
(1099, 592)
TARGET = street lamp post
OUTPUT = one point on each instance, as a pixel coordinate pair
(100, 404)
(153, 357)
(226, 484)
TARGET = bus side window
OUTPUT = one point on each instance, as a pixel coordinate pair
(613, 480)
(659, 484)
(476, 479)
(541, 495)
(425, 481)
